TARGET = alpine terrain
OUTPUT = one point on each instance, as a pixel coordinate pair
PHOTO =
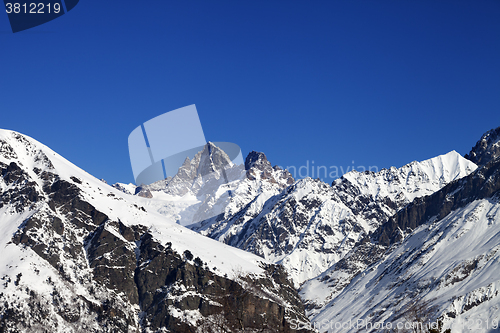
(221, 247)
(391, 248)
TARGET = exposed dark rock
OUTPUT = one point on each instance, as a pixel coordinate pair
(163, 278)
(486, 149)
(76, 180)
(113, 260)
(22, 196)
(143, 192)
(212, 159)
(13, 173)
(257, 163)
(256, 160)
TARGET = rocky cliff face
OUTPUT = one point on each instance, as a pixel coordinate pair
(259, 168)
(487, 148)
(80, 256)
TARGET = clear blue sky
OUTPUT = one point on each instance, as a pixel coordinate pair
(375, 82)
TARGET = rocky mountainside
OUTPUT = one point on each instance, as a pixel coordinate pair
(435, 261)
(310, 225)
(81, 256)
(487, 148)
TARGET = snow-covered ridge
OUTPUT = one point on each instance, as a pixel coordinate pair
(446, 260)
(309, 226)
(412, 180)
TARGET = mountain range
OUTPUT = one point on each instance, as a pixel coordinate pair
(231, 248)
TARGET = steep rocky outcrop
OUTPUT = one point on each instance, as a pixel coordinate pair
(486, 149)
(169, 285)
(210, 168)
(258, 167)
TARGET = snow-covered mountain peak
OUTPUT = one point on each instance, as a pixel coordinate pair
(212, 159)
(210, 166)
(18, 148)
(36, 160)
(29, 155)
(451, 165)
(194, 196)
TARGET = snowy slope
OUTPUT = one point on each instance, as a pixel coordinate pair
(452, 263)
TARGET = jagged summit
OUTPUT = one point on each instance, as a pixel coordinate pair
(212, 159)
(208, 165)
(256, 160)
(486, 149)
(210, 184)
(258, 167)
